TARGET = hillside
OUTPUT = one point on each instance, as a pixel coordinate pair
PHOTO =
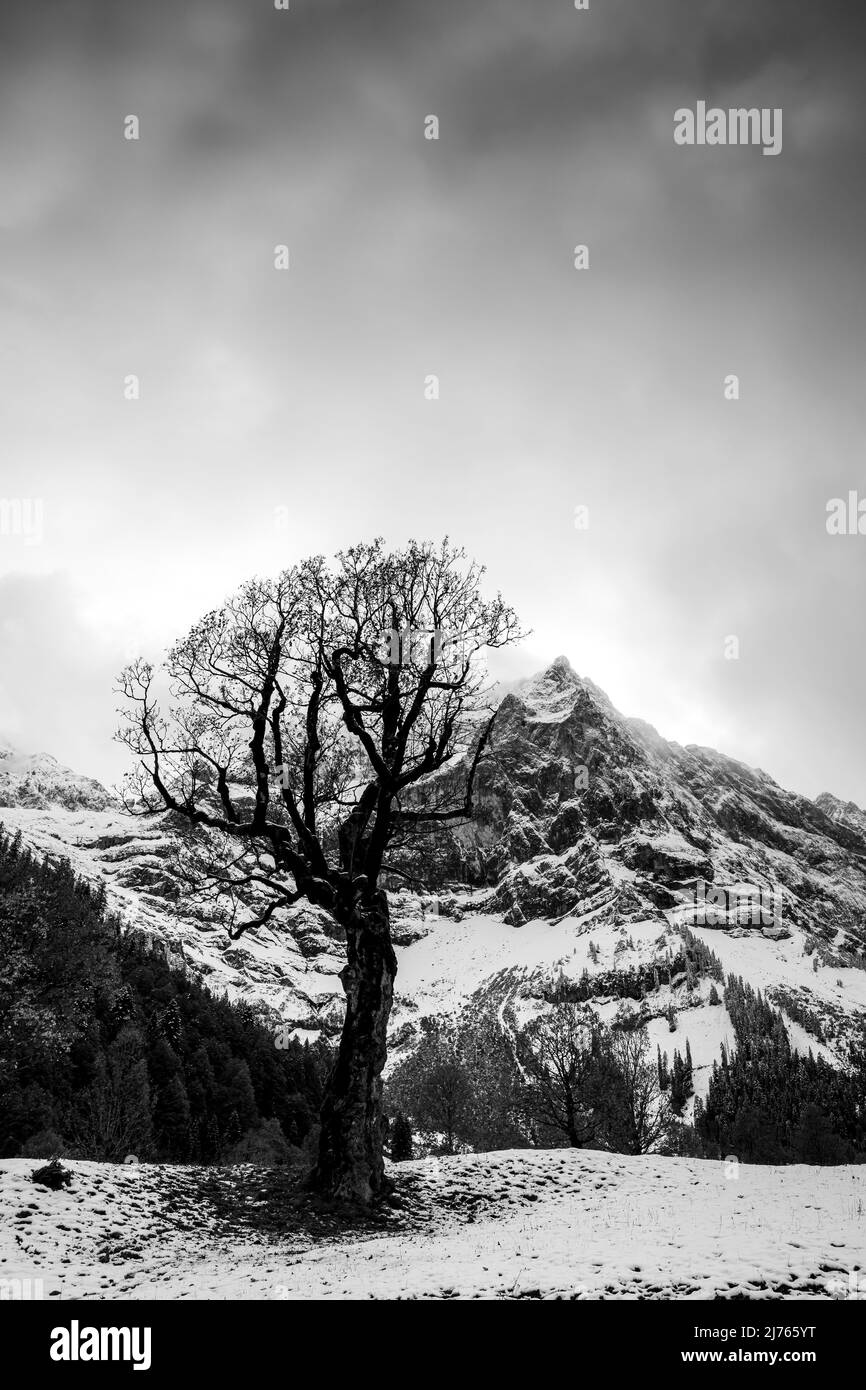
(520, 1224)
(593, 834)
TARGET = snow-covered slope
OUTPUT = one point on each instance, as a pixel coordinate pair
(287, 972)
(37, 780)
(529, 1224)
(590, 828)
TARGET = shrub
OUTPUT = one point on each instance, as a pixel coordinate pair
(44, 1144)
(52, 1175)
(266, 1145)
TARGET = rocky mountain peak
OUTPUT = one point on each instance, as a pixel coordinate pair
(39, 781)
(556, 691)
(561, 666)
(838, 809)
(577, 803)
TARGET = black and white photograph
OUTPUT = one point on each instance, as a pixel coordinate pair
(432, 666)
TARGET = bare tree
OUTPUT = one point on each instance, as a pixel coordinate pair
(308, 718)
(434, 1085)
(596, 1085)
(563, 1057)
(640, 1114)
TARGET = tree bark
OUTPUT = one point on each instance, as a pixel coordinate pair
(571, 1127)
(350, 1165)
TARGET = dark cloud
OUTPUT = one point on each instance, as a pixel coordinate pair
(407, 258)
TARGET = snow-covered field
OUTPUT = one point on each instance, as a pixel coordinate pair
(519, 1224)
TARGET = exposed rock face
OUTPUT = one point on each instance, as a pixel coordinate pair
(669, 859)
(565, 769)
(315, 931)
(844, 813)
(775, 933)
(543, 887)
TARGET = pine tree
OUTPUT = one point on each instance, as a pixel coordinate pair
(664, 1073)
(170, 1025)
(401, 1139)
(212, 1147)
(814, 1140)
(96, 1027)
(171, 1120)
(677, 1095)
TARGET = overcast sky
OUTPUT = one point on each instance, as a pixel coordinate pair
(304, 389)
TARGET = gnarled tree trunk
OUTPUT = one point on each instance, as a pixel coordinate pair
(350, 1165)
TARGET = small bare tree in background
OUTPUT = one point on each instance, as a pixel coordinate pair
(306, 719)
(562, 1055)
(642, 1116)
(435, 1086)
(595, 1085)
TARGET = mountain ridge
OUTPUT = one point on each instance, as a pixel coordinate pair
(589, 826)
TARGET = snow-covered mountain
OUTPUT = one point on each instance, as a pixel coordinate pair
(845, 813)
(576, 797)
(38, 781)
(592, 838)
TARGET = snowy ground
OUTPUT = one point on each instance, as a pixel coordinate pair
(767, 963)
(539, 1224)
